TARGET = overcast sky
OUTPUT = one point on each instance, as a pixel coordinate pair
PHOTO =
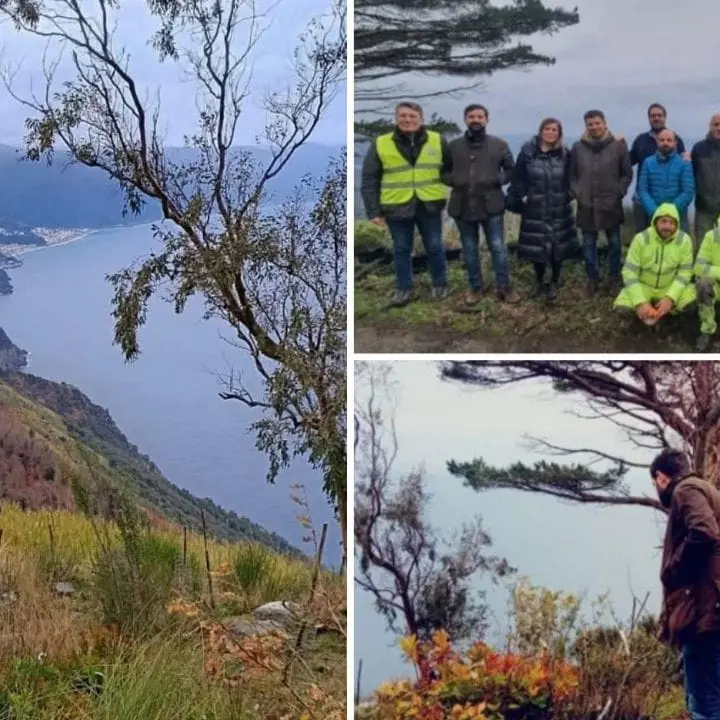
(557, 545)
(623, 55)
(272, 60)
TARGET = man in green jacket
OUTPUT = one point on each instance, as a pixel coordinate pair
(658, 269)
(401, 187)
(707, 272)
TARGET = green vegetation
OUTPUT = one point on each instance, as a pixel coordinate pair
(576, 323)
(137, 639)
(81, 446)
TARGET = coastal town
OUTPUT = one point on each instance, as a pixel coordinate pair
(45, 237)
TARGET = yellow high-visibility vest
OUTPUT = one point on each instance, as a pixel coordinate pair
(401, 181)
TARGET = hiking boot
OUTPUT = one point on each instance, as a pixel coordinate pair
(508, 295)
(593, 286)
(539, 289)
(439, 293)
(703, 342)
(552, 292)
(401, 298)
(473, 297)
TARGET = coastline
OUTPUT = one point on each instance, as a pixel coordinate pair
(55, 237)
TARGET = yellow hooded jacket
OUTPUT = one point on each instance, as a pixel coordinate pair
(655, 267)
(707, 264)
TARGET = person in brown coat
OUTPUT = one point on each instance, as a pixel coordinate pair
(600, 175)
(690, 576)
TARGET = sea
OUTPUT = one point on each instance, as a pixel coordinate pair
(166, 402)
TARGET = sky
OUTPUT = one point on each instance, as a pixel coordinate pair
(272, 61)
(559, 545)
(622, 56)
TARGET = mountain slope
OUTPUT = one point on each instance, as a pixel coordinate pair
(55, 444)
(62, 195)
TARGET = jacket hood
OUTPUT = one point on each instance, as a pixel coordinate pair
(667, 210)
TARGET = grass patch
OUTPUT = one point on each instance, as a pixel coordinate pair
(575, 323)
(138, 638)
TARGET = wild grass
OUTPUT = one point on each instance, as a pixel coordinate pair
(139, 637)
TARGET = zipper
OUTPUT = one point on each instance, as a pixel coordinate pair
(661, 253)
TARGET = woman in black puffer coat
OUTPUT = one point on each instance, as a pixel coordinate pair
(540, 193)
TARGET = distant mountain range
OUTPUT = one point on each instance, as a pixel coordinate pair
(62, 195)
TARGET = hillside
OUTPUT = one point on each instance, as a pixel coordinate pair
(55, 445)
(11, 356)
(62, 195)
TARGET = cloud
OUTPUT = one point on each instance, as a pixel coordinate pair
(271, 59)
(622, 56)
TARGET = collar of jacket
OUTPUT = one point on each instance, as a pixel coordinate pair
(666, 158)
(419, 137)
(668, 493)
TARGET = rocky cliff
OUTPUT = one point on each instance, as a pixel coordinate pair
(11, 356)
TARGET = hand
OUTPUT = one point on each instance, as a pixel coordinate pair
(620, 138)
(380, 222)
(664, 307)
(646, 312)
(687, 156)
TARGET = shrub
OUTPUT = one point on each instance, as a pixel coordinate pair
(133, 582)
(252, 564)
(481, 683)
(369, 236)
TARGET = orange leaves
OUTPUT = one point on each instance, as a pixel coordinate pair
(179, 607)
(482, 684)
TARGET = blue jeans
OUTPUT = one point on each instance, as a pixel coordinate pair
(590, 240)
(402, 233)
(701, 658)
(494, 230)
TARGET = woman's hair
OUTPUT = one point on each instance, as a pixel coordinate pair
(550, 121)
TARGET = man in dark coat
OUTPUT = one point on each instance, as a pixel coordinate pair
(481, 165)
(705, 159)
(644, 146)
(401, 187)
(600, 175)
(690, 576)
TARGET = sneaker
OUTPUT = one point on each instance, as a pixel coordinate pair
(473, 297)
(508, 295)
(552, 292)
(703, 342)
(439, 293)
(401, 298)
(593, 286)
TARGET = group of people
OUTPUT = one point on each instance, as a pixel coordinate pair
(411, 175)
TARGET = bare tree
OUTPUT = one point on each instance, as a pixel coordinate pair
(655, 404)
(274, 275)
(419, 579)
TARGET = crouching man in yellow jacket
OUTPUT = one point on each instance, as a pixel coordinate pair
(707, 272)
(658, 270)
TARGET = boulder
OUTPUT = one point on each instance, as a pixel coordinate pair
(249, 626)
(284, 613)
(64, 589)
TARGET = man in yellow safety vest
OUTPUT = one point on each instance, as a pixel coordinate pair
(401, 188)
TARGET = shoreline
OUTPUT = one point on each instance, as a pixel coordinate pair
(75, 235)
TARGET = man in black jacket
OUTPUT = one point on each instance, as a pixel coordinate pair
(642, 148)
(401, 187)
(481, 165)
(706, 167)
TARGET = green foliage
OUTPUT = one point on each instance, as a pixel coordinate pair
(372, 128)
(133, 581)
(252, 564)
(369, 236)
(466, 40)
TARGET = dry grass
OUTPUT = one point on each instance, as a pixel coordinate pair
(190, 667)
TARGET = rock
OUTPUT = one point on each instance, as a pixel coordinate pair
(9, 597)
(248, 626)
(64, 589)
(284, 613)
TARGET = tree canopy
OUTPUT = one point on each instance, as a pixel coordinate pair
(468, 40)
(655, 404)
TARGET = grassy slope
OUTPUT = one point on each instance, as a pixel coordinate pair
(575, 323)
(188, 667)
(87, 444)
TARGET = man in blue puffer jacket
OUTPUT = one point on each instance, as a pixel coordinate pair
(667, 177)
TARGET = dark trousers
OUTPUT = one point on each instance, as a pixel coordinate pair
(701, 658)
(402, 233)
(494, 231)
